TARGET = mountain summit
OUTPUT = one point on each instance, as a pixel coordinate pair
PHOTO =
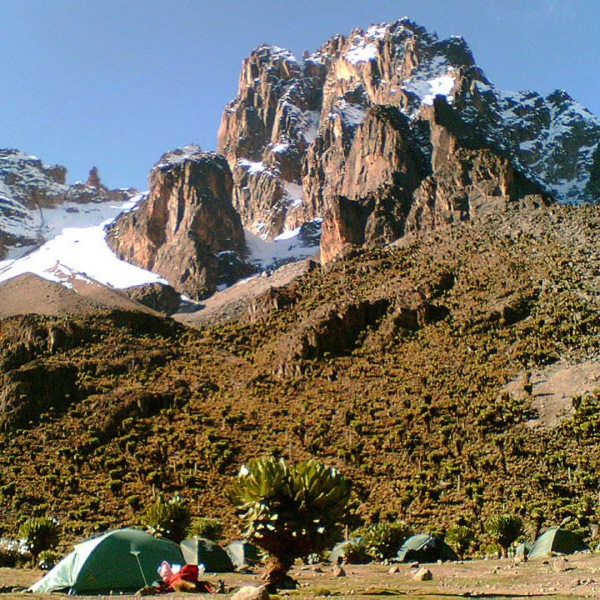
(390, 130)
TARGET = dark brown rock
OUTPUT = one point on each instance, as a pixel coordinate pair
(157, 296)
(93, 179)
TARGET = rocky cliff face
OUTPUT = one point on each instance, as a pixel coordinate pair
(186, 229)
(358, 121)
(28, 187)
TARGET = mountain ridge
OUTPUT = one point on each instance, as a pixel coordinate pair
(272, 140)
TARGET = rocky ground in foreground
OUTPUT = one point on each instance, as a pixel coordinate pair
(557, 578)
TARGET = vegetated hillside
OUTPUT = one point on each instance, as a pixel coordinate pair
(390, 365)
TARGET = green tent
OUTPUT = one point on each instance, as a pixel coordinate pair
(559, 541)
(243, 553)
(112, 563)
(199, 551)
(425, 548)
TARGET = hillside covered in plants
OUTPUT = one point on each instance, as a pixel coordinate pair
(393, 364)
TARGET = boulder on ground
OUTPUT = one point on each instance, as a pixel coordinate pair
(423, 575)
(249, 592)
(338, 571)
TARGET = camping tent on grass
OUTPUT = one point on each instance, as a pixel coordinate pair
(119, 561)
(425, 548)
(242, 553)
(560, 541)
(201, 551)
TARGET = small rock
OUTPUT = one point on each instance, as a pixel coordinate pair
(559, 565)
(249, 592)
(338, 571)
(395, 569)
(413, 565)
(423, 575)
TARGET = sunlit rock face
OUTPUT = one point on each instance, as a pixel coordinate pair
(399, 121)
(186, 229)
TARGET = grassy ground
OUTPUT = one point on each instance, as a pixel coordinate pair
(576, 578)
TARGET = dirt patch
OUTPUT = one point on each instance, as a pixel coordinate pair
(31, 294)
(578, 577)
(551, 390)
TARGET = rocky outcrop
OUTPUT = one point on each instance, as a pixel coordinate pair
(356, 120)
(264, 134)
(157, 296)
(93, 179)
(407, 190)
(28, 187)
(186, 229)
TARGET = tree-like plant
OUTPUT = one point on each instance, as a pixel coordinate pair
(48, 559)
(504, 530)
(290, 510)
(383, 540)
(39, 534)
(460, 538)
(356, 554)
(170, 520)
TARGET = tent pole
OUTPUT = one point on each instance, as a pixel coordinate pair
(136, 553)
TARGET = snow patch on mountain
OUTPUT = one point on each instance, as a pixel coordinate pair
(80, 248)
(351, 114)
(310, 125)
(293, 193)
(361, 53)
(430, 80)
(179, 155)
(252, 167)
(287, 247)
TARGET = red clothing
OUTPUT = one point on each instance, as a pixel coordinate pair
(187, 573)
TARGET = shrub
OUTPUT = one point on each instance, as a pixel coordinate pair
(39, 534)
(10, 555)
(290, 511)
(356, 554)
(170, 520)
(504, 529)
(210, 529)
(460, 538)
(383, 540)
(48, 559)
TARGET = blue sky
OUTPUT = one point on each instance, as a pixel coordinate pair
(115, 83)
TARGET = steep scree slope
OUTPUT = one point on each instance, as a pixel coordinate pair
(391, 364)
